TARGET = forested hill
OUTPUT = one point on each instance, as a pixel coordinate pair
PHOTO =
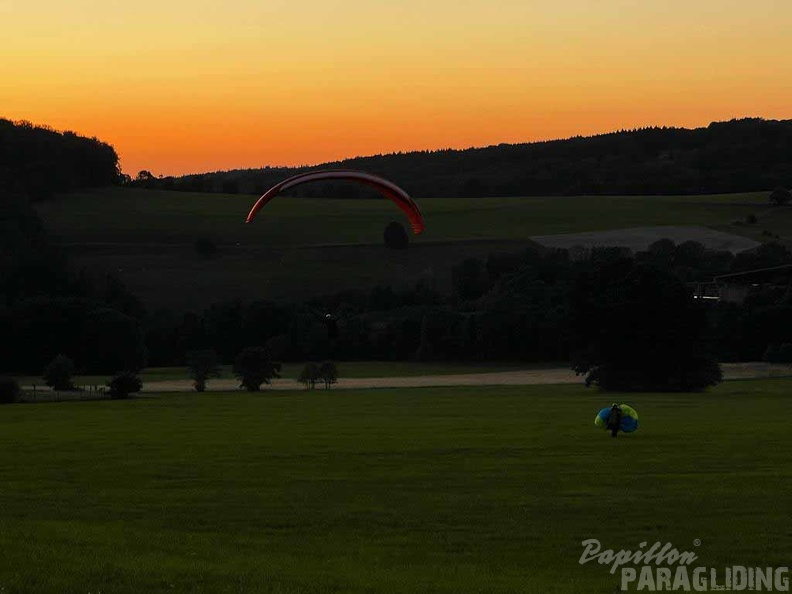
(734, 156)
(37, 161)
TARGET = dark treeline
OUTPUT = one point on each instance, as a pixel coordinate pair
(510, 306)
(39, 162)
(536, 305)
(736, 156)
(48, 308)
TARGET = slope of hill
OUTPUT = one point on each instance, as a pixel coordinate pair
(736, 156)
(302, 247)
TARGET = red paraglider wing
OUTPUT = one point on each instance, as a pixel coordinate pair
(390, 190)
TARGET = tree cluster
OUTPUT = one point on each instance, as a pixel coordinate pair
(47, 308)
(312, 373)
(40, 162)
(536, 305)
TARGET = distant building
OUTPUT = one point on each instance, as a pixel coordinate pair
(735, 287)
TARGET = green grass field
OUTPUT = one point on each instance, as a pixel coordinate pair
(119, 215)
(423, 490)
(298, 247)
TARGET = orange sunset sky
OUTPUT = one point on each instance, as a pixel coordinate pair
(184, 87)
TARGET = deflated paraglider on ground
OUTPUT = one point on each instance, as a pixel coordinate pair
(383, 186)
(617, 417)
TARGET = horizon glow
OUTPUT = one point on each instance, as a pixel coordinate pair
(183, 87)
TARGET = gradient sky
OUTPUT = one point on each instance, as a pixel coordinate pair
(185, 87)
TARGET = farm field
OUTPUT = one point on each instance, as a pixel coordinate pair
(402, 490)
(300, 247)
(119, 215)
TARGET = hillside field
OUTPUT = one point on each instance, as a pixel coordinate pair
(300, 247)
(440, 490)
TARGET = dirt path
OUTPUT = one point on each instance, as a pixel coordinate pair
(640, 238)
(513, 378)
(504, 378)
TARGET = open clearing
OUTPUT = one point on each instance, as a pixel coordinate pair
(640, 238)
(442, 490)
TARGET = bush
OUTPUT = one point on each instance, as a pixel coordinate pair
(9, 390)
(328, 373)
(780, 196)
(253, 367)
(203, 365)
(124, 384)
(59, 372)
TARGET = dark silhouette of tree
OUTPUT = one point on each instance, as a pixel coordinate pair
(58, 374)
(328, 373)
(637, 328)
(470, 279)
(203, 365)
(42, 162)
(111, 342)
(309, 375)
(9, 390)
(780, 196)
(253, 367)
(123, 385)
(146, 179)
(31, 265)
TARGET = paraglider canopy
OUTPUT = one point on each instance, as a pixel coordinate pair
(626, 418)
(383, 186)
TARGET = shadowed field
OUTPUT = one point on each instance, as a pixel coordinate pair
(403, 490)
(300, 247)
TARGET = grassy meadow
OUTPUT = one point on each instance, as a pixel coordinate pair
(411, 490)
(299, 247)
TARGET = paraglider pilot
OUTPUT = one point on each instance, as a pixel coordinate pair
(332, 327)
(617, 417)
(614, 419)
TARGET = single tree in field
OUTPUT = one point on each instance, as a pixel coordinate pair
(253, 367)
(124, 384)
(780, 196)
(203, 365)
(328, 372)
(58, 374)
(309, 375)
